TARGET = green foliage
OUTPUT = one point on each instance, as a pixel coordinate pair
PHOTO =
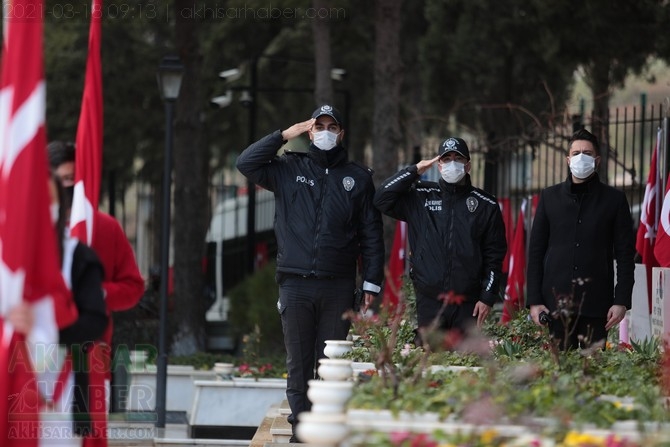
(648, 349)
(523, 377)
(202, 360)
(253, 304)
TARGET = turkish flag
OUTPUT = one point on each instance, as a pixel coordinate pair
(516, 280)
(396, 267)
(506, 210)
(29, 263)
(88, 167)
(88, 159)
(646, 231)
(662, 246)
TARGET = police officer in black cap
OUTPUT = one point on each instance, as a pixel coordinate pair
(456, 236)
(324, 221)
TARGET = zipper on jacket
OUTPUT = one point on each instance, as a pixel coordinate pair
(319, 215)
(450, 243)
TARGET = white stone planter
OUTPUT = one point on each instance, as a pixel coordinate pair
(337, 348)
(237, 402)
(335, 369)
(180, 388)
(322, 429)
(329, 396)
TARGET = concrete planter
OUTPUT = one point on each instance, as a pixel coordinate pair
(180, 388)
(233, 408)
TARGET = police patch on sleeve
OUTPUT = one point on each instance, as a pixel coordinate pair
(348, 183)
(472, 204)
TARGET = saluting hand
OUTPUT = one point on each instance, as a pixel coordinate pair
(297, 129)
(423, 165)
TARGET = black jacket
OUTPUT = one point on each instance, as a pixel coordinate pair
(456, 234)
(578, 237)
(324, 217)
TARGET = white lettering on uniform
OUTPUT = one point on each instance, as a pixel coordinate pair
(303, 179)
(433, 205)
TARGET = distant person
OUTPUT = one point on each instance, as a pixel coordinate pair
(123, 284)
(580, 228)
(456, 238)
(324, 220)
(62, 375)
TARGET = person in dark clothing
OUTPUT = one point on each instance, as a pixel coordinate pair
(456, 236)
(580, 228)
(324, 221)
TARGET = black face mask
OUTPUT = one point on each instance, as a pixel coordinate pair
(69, 195)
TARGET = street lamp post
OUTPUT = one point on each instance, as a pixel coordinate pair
(169, 82)
(251, 186)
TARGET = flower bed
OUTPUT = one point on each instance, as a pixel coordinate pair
(610, 395)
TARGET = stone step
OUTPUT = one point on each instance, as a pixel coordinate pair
(281, 430)
(284, 409)
(201, 442)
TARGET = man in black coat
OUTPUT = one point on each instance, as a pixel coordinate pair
(580, 228)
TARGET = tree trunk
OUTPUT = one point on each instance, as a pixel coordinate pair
(323, 91)
(190, 193)
(386, 115)
(599, 80)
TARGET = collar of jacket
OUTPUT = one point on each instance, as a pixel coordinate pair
(590, 185)
(464, 186)
(327, 159)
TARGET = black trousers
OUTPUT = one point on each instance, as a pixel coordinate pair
(454, 316)
(311, 312)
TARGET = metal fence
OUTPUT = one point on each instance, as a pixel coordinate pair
(512, 169)
(523, 165)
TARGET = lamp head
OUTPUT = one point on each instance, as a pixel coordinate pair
(170, 72)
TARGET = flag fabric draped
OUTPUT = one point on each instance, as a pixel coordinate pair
(506, 210)
(662, 246)
(646, 231)
(29, 264)
(88, 159)
(88, 168)
(516, 279)
(396, 267)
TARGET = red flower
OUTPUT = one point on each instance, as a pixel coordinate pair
(452, 338)
(451, 298)
(625, 347)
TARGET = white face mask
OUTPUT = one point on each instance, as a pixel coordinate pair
(582, 165)
(453, 171)
(53, 210)
(325, 140)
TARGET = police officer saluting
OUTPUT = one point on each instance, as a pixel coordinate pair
(456, 237)
(324, 220)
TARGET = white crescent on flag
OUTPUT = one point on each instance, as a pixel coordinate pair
(29, 263)
(88, 158)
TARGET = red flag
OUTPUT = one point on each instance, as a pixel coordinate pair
(646, 231)
(506, 210)
(88, 166)
(516, 280)
(662, 246)
(88, 160)
(396, 267)
(29, 265)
